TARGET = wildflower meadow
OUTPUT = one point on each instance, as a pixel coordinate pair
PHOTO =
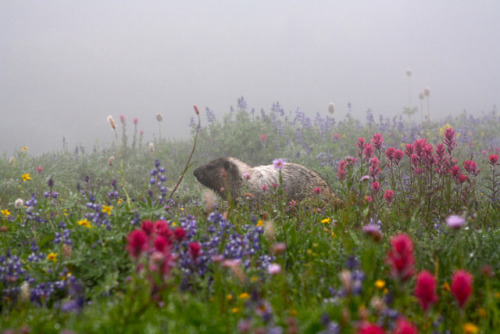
(121, 238)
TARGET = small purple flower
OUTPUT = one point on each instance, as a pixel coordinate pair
(278, 163)
(455, 222)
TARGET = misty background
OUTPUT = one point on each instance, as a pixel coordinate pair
(66, 65)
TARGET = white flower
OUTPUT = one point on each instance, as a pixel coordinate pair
(19, 203)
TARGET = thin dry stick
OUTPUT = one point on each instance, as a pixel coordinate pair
(192, 151)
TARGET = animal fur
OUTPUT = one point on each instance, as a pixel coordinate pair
(225, 176)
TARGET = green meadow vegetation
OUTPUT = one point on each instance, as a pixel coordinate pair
(107, 240)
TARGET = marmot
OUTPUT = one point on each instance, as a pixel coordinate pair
(233, 176)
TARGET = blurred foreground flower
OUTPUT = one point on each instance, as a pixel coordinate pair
(401, 258)
(461, 287)
(455, 222)
(425, 289)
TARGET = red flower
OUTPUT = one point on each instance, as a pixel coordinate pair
(493, 158)
(398, 156)
(194, 250)
(161, 227)
(368, 151)
(461, 287)
(342, 170)
(375, 187)
(137, 243)
(425, 290)
(471, 167)
(403, 326)
(317, 190)
(401, 258)
(161, 243)
(388, 196)
(147, 226)
(179, 233)
(370, 329)
(378, 141)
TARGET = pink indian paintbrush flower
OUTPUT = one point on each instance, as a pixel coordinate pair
(403, 326)
(388, 196)
(194, 250)
(137, 243)
(342, 172)
(378, 141)
(461, 287)
(368, 328)
(493, 158)
(425, 289)
(400, 257)
(471, 167)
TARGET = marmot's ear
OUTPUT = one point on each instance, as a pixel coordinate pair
(226, 165)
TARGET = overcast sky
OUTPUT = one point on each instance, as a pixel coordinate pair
(66, 65)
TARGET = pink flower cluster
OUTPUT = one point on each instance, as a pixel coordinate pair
(401, 260)
(155, 240)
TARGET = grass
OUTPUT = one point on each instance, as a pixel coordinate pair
(92, 241)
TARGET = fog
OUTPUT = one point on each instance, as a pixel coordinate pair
(66, 65)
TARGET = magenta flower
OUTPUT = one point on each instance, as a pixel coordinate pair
(425, 289)
(400, 257)
(194, 250)
(493, 158)
(136, 120)
(147, 226)
(403, 326)
(409, 149)
(455, 222)
(342, 172)
(360, 143)
(368, 151)
(388, 196)
(179, 233)
(122, 119)
(39, 169)
(461, 287)
(375, 187)
(378, 141)
(471, 167)
(137, 243)
(278, 163)
(317, 190)
(368, 328)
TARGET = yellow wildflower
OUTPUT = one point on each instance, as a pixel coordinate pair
(26, 177)
(107, 209)
(379, 284)
(325, 221)
(293, 313)
(244, 295)
(254, 279)
(5, 212)
(260, 223)
(174, 224)
(344, 135)
(120, 201)
(470, 328)
(229, 297)
(85, 222)
(52, 257)
(446, 286)
(235, 310)
(24, 148)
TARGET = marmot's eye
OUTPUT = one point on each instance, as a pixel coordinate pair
(226, 165)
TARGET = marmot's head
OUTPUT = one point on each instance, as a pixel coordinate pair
(218, 174)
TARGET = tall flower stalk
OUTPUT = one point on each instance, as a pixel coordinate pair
(122, 174)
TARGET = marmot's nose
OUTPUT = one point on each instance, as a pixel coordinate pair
(196, 172)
